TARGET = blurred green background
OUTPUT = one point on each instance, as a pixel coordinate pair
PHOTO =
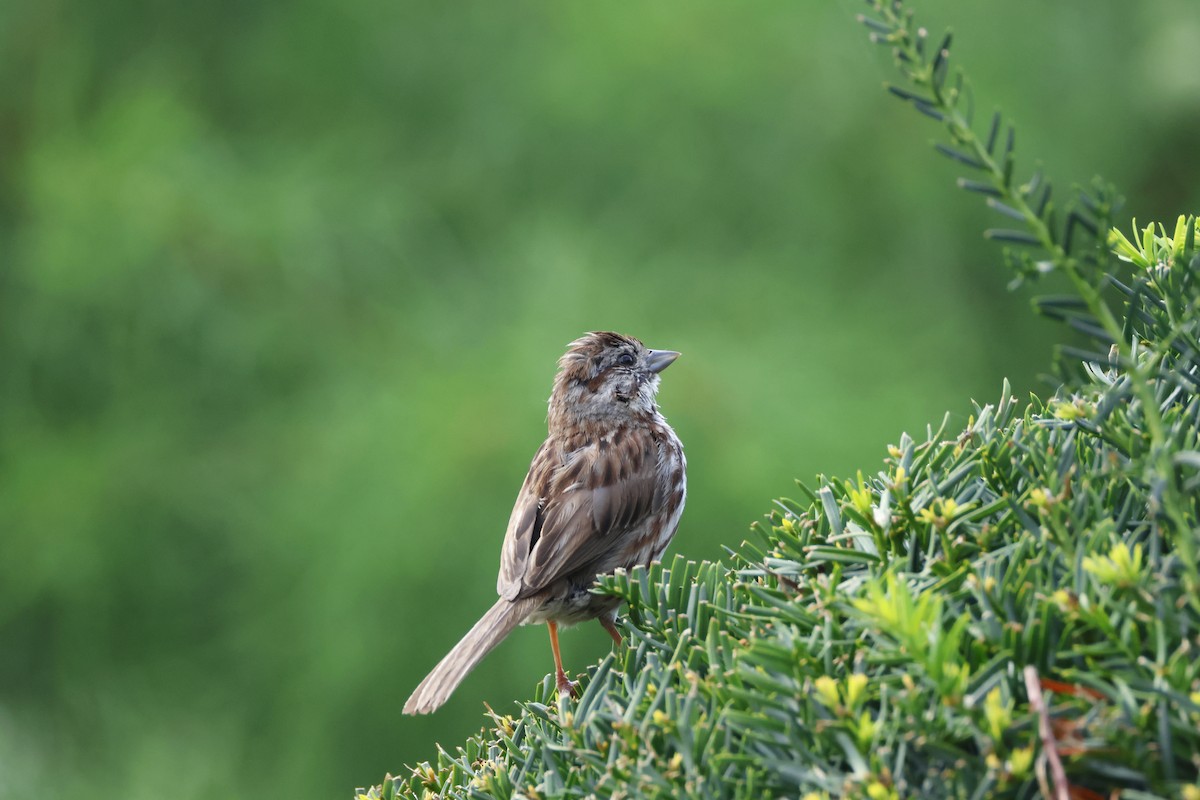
(282, 287)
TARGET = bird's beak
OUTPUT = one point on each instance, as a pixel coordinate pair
(658, 360)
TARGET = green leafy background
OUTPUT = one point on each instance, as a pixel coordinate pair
(282, 286)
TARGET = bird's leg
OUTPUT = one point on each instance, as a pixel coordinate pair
(564, 683)
(610, 625)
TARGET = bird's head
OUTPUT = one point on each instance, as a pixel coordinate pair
(606, 376)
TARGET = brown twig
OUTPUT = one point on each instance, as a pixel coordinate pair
(1049, 749)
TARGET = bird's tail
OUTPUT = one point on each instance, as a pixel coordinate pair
(488, 632)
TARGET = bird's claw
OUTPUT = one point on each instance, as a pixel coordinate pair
(567, 686)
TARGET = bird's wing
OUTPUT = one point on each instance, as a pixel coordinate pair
(525, 525)
(573, 506)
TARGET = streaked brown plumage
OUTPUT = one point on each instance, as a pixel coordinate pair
(605, 491)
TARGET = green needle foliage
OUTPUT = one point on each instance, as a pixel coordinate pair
(1009, 609)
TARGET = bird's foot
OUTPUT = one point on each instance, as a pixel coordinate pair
(566, 686)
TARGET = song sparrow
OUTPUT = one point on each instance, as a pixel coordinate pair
(604, 491)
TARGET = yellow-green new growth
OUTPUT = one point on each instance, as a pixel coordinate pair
(1122, 566)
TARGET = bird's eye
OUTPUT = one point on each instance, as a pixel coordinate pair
(626, 359)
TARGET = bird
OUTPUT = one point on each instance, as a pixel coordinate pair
(604, 492)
